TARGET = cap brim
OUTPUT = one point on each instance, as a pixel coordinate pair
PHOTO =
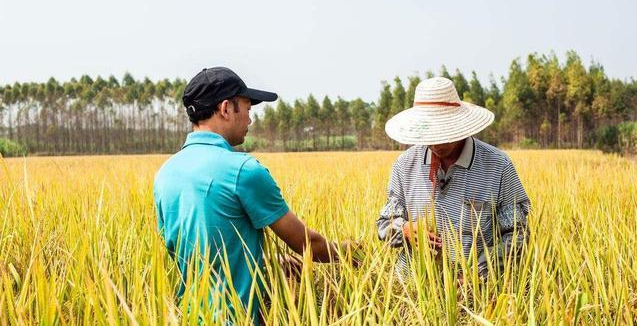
(258, 96)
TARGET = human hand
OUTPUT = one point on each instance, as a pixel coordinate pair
(411, 235)
(291, 265)
(460, 279)
(353, 249)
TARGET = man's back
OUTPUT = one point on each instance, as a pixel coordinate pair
(206, 194)
(211, 200)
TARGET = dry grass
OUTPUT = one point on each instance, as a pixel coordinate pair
(78, 245)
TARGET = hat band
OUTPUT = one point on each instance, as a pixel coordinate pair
(437, 103)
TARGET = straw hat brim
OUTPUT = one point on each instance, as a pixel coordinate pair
(437, 125)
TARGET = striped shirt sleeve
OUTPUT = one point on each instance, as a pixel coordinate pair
(511, 216)
(513, 206)
(394, 214)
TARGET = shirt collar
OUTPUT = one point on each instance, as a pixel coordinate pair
(209, 138)
(466, 156)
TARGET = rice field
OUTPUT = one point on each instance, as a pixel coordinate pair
(79, 246)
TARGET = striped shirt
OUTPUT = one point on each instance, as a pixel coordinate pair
(478, 196)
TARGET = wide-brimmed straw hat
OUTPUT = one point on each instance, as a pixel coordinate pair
(438, 116)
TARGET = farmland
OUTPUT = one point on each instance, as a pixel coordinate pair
(79, 245)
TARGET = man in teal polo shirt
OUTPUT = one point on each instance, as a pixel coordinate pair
(210, 196)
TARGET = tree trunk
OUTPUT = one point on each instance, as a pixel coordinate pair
(559, 126)
(343, 138)
(580, 132)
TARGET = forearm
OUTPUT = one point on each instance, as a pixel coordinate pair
(322, 249)
(390, 229)
(393, 215)
(497, 255)
(513, 224)
(514, 234)
(300, 237)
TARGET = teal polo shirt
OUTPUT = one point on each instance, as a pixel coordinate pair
(210, 195)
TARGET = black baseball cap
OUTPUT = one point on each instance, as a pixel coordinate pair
(213, 85)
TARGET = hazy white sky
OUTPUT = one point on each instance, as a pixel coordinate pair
(296, 47)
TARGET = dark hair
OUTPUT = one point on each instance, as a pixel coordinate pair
(197, 115)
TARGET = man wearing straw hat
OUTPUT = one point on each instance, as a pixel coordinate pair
(469, 188)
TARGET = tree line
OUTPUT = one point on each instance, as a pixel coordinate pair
(542, 102)
(91, 116)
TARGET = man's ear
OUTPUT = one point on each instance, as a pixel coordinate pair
(223, 109)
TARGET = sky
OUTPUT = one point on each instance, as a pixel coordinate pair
(295, 47)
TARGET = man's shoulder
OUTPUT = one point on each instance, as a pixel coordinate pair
(490, 153)
(239, 158)
(254, 175)
(250, 164)
(218, 156)
(198, 163)
(167, 168)
(414, 153)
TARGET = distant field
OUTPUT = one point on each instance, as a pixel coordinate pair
(79, 245)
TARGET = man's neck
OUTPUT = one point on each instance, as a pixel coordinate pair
(447, 162)
(209, 127)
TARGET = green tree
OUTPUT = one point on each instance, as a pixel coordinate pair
(112, 82)
(578, 92)
(10, 148)
(493, 91)
(270, 124)
(411, 91)
(445, 73)
(491, 135)
(343, 118)
(397, 103)
(327, 117)
(461, 84)
(312, 113)
(128, 80)
(601, 86)
(620, 100)
(555, 95)
(397, 98)
(536, 72)
(516, 97)
(362, 126)
(379, 138)
(284, 113)
(543, 100)
(298, 121)
(256, 128)
(476, 91)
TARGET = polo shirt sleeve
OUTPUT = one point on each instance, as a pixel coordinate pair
(259, 194)
(512, 211)
(511, 214)
(394, 214)
(512, 196)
